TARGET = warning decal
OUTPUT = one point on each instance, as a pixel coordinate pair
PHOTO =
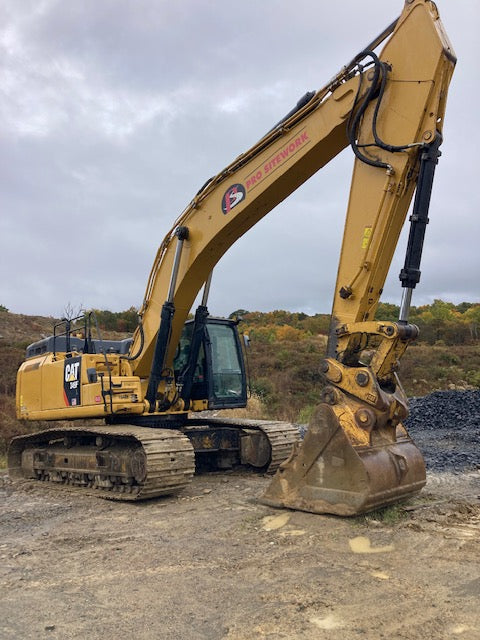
(367, 233)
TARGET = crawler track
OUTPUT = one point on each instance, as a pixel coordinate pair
(280, 436)
(118, 463)
(128, 462)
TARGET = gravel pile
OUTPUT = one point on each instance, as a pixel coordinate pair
(446, 428)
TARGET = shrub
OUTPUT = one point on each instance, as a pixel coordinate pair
(473, 378)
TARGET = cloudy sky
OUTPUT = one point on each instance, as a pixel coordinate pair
(115, 112)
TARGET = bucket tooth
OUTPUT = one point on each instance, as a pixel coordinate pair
(327, 474)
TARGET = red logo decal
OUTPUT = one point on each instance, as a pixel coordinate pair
(232, 196)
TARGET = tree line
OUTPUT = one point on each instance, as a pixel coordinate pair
(439, 323)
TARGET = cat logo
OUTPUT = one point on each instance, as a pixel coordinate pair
(71, 382)
(71, 372)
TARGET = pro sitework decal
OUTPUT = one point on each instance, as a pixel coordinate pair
(277, 159)
(232, 196)
(71, 381)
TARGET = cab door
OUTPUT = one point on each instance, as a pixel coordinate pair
(219, 374)
(225, 365)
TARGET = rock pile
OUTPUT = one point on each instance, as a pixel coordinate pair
(446, 427)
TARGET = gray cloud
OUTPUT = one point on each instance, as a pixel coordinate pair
(113, 114)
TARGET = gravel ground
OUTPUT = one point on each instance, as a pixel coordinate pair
(215, 564)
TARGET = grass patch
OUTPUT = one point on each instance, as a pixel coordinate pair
(389, 516)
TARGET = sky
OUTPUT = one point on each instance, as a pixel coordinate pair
(113, 113)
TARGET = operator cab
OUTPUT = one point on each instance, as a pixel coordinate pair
(219, 375)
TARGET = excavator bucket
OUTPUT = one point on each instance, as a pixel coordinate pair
(327, 474)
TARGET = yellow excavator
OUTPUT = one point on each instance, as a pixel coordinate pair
(136, 405)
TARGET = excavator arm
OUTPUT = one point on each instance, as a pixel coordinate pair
(357, 454)
(389, 109)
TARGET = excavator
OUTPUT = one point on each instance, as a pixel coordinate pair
(135, 408)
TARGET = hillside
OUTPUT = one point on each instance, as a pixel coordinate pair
(283, 360)
(18, 329)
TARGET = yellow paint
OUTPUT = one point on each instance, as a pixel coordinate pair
(380, 575)
(293, 532)
(329, 622)
(461, 628)
(271, 523)
(362, 544)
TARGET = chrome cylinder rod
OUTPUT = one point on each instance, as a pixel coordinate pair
(182, 235)
(206, 290)
(405, 305)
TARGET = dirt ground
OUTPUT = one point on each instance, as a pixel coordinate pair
(213, 563)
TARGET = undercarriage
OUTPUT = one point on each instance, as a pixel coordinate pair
(129, 462)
